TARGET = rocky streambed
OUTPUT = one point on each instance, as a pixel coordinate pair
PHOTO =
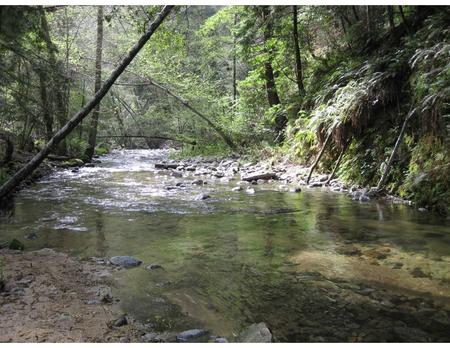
(213, 250)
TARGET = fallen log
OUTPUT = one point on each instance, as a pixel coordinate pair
(262, 176)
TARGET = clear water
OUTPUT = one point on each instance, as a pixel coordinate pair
(230, 260)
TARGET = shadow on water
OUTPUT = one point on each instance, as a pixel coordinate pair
(311, 265)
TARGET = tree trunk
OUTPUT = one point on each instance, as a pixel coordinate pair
(271, 88)
(394, 152)
(405, 22)
(46, 114)
(327, 140)
(56, 78)
(390, 15)
(298, 60)
(234, 61)
(17, 178)
(355, 13)
(336, 166)
(98, 81)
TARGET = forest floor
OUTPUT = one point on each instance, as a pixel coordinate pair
(48, 296)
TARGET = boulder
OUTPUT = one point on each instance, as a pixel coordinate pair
(256, 333)
(125, 261)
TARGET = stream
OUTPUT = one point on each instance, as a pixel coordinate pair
(315, 265)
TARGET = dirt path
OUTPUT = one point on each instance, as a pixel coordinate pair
(51, 297)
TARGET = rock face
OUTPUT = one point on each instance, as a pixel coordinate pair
(190, 334)
(256, 333)
(125, 261)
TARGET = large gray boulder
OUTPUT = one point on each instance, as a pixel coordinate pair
(256, 333)
(125, 261)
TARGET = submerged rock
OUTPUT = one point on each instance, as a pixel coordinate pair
(30, 236)
(237, 189)
(125, 261)
(202, 197)
(256, 333)
(153, 266)
(250, 191)
(190, 334)
(295, 190)
(220, 340)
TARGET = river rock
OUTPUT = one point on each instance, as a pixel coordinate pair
(166, 165)
(202, 197)
(237, 189)
(30, 236)
(256, 333)
(190, 334)
(250, 191)
(153, 266)
(364, 198)
(125, 261)
(121, 321)
(254, 177)
(295, 190)
(197, 182)
(220, 340)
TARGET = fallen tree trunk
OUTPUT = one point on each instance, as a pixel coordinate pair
(17, 178)
(394, 152)
(148, 137)
(327, 140)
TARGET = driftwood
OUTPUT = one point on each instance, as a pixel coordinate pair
(17, 178)
(263, 176)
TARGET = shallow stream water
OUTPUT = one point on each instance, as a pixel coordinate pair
(297, 261)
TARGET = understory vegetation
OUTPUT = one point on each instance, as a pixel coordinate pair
(266, 81)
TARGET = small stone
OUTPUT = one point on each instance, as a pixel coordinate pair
(190, 334)
(364, 198)
(30, 236)
(315, 184)
(250, 191)
(121, 321)
(153, 266)
(295, 190)
(422, 209)
(220, 340)
(202, 197)
(125, 261)
(197, 182)
(237, 189)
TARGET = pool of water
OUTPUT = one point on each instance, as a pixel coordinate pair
(235, 258)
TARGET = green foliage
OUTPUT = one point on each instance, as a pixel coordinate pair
(76, 147)
(101, 150)
(427, 181)
(16, 245)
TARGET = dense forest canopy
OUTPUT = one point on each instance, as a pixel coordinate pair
(365, 86)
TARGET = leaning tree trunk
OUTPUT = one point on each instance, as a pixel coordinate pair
(98, 81)
(17, 178)
(322, 151)
(394, 152)
(336, 166)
